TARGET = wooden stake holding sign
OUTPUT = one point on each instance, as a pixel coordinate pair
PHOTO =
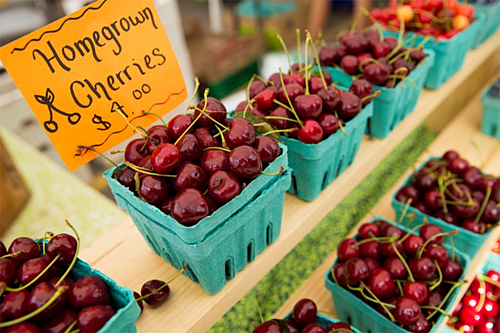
(87, 73)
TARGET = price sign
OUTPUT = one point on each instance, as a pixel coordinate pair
(90, 77)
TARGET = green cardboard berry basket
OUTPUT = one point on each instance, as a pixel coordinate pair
(354, 311)
(324, 321)
(317, 165)
(466, 241)
(123, 301)
(393, 105)
(491, 114)
(221, 244)
(491, 12)
(449, 54)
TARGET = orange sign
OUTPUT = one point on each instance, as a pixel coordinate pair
(90, 76)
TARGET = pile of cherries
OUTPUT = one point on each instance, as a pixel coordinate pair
(39, 294)
(439, 18)
(197, 163)
(368, 56)
(479, 308)
(303, 320)
(452, 190)
(304, 105)
(407, 277)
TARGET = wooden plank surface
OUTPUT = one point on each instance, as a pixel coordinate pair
(462, 135)
(123, 254)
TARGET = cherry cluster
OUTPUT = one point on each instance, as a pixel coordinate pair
(367, 55)
(40, 296)
(479, 308)
(439, 18)
(407, 277)
(455, 192)
(304, 104)
(303, 320)
(197, 162)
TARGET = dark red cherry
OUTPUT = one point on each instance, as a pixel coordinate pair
(452, 270)
(126, 178)
(350, 106)
(406, 193)
(308, 106)
(348, 34)
(311, 133)
(329, 124)
(381, 283)
(425, 181)
(362, 89)
(330, 55)
(88, 291)
(214, 108)
(265, 99)
(270, 326)
(423, 269)
(436, 252)
(348, 249)
(146, 163)
(458, 166)
(3, 249)
(407, 311)
(315, 84)
(377, 73)
(304, 312)
(387, 249)
(68, 282)
(205, 138)
(241, 132)
(276, 79)
(178, 125)
(491, 213)
(396, 267)
(267, 148)
(292, 327)
(190, 175)
(61, 322)
(350, 64)
(256, 87)
(135, 151)
(469, 316)
(473, 226)
(153, 189)
(189, 148)
(331, 98)
(338, 271)
(29, 248)
(391, 41)
(370, 249)
(282, 113)
(466, 211)
(423, 208)
(450, 155)
(372, 263)
(242, 106)
(433, 199)
(23, 327)
(166, 206)
(64, 245)
(402, 63)
(293, 90)
(30, 269)
(166, 158)
(417, 56)
(314, 328)
(214, 160)
(40, 295)
(189, 207)
(417, 291)
(8, 271)
(245, 163)
(422, 325)
(15, 305)
(158, 297)
(339, 327)
(356, 270)
(412, 243)
(139, 301)
(158, 136)
(223, 186)
(449, 217)
(294, 78)
(357, 44)
(428, 231)
(381, 49)
(93, 318)
(472, 178)
(369, 230)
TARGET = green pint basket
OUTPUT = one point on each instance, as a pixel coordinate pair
(317, 165)
(449, 54)
(393, 105)
(357, 313)
(491, 115)
(491, 12)
(466, 241)
(221, 244)
(324, 321)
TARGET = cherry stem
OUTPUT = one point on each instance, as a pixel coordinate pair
(482, 297)
(340, 124)
(210, 117)
(218, 148)
(279, 172)
(36, 278)
(81, 147)
(164, 285)
(196, 87)
(483, 205)
(146, 171)
(405, 210)
(282, 105)
(205, 95)
(364, 61)
(307, 64)
(221, 133)
(50, 234)
(410, 233)
(377, 93)
(282, 118)
(117, 152)
(70, 267)
(154, 114)
(280, 131)
(452, 244)
(489, 280)
(384, 305)
(355, 22)
(435, 310)
(12, 255)
(299, 51)
(443, 301)
(288, 99)
(259, 310)
(410, 275)
(54, 297)
(378, 240)
(137, 180)
(427, 242)
(70, 327)
(316, 57)
(286, 51)
(440, 279)
(401, 292)
(249, 102)
(340, 330)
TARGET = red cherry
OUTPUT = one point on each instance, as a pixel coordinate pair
(427, 231)
(157, 297)
(158, 136)
(412, 243)
(356, 270)
(338, 271)
(308, 106)
(362, 89)
(241, 132)
(61, 322)
(490, 308)
(349, 107)
(223, 187)
(29, 248)
(423, 269)
(293, 90)
(304, 312)
(24, 327)
(64, 245)
(350, 64)
(406, 193)
(335, 327)
(265, 99)
(377, 73)
(369, 230)
(294, 78)
(267, 148)
(396, 267)
(205, 138)
(190, 175)
(189, 148)
(166, 158)
(245, 163)
(178, 125)
(450, 155)
(314, 328)
(153, 189)
(348, 249)
(32, 268)
(331, 98)
(88, 291)
(15, 305)
(270, 326)
(40, 295)
(214, 160)
(189, 207)
(330, 55)
(422, 325)
(256, 87)
(407, 311)
(417, 291)
(311, 133)
(135, 151)
(93, 318)
(468, 315)
(214, 108)
(381, 283)
(282, 113)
